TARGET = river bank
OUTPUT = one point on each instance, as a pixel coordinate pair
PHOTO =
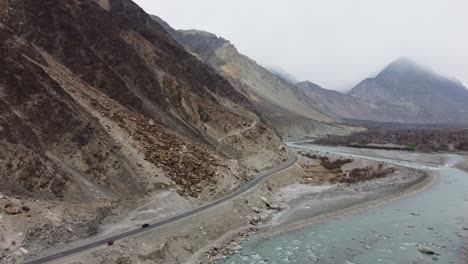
(463, 165)
(303, 204)
(394, 229)
(275, 206)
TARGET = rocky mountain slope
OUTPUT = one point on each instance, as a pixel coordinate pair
(99, 109)
(333, 102)
(291, 112)
(345, 106)
(403, 93)
(422, 95)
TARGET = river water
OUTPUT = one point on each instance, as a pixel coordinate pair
(389, 234)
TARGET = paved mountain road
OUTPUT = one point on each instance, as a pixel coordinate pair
(247, 187)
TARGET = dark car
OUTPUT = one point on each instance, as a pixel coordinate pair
(145, 225)
(110, 243)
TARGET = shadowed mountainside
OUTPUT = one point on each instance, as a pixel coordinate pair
(131, 72)
(101, 110)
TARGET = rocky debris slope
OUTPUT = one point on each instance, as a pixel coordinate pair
(136, 63)
(101, 109)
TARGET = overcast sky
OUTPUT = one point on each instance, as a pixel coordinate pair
(334, 43)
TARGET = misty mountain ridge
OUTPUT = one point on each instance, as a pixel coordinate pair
(402, 92)
(278, 71)
(426, 95)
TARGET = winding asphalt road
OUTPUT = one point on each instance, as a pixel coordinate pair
(259, 178)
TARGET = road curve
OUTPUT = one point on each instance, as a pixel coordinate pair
(259, 178)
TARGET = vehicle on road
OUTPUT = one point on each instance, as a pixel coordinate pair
(145, 226)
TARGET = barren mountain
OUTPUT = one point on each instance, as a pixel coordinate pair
(291, 112)
(342, 105)
(422, 95)
(98, 104)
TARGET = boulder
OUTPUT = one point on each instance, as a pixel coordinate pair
(265, 200)
(12, 209)
(256, 209)
(426, 250)
(23, 251)
(253, 220)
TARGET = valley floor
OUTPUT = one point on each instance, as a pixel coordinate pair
(286, 200)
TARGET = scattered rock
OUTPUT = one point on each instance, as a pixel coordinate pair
(12, 209)
(184, 149)
(253, 220)
(265, 200)
(237, 248)
(426, 250)
(23, 251)
(256, 209)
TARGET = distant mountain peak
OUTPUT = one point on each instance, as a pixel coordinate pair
(404, 65)
(426, 95)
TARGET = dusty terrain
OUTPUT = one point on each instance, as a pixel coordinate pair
(280, 200)
(297, 203)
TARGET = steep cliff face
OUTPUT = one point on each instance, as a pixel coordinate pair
(96, 93)
(117, 51)
(421, 95)
(59, 136)
(285, 105)
(127, 56)
(100, 108)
